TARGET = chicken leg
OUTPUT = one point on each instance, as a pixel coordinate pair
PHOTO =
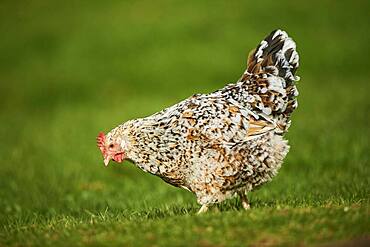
(203, 209)
(244, 200)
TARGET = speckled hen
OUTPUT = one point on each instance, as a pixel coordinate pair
(220, 144)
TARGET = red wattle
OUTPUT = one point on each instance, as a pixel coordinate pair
(118, 157)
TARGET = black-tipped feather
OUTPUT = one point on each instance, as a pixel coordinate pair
(277, 50)
(270, 76)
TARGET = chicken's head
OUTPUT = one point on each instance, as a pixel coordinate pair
(110, 148)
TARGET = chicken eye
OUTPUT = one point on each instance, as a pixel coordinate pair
(111, 146)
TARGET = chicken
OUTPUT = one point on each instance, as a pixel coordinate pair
(220, 144)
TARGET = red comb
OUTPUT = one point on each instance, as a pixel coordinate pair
(100, 140)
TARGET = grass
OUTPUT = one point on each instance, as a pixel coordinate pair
(69, 70)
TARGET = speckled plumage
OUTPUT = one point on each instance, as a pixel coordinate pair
(226, 142)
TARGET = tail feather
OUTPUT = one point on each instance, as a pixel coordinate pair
(270, 76)
(275, 54)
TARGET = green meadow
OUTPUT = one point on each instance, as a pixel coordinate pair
(69, 70)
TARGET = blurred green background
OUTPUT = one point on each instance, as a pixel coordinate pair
(69, 69)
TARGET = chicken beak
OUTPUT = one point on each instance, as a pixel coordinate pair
(106, 160)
